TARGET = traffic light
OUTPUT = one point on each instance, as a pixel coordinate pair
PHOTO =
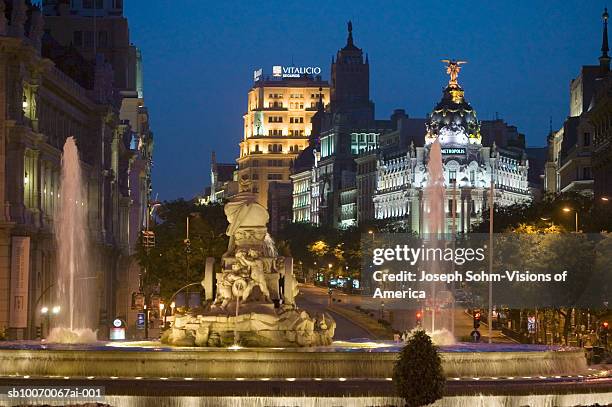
(603, 332)
(39, 332)
(419, 318)
(476, 319)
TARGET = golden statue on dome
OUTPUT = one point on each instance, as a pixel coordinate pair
(452, 69)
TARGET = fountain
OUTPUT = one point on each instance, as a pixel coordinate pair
(255, 293)
(75, 288)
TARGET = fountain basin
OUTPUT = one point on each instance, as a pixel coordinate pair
(352, 360)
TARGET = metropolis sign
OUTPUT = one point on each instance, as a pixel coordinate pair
(453, 151)
(279, 71)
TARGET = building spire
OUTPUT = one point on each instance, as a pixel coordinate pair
(349, 40)
(604, 59)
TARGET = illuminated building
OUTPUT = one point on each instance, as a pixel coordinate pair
(469, 165)
(277, 126)
(571, 165)
(348, 128)
(98, 30)
(48, 92)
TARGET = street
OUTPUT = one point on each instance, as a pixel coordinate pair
(316, 299)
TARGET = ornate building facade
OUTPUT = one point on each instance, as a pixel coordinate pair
(469, 167)
(49, 92)
(570, 165)
(360, 169)
(277, 126)
(99, 32)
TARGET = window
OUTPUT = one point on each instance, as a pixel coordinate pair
(450, 205)
(89, 39)
(255, 176)
(88, 3)
(586, 173)
(587, 139)
(452, 176)
(77, 38)
(103, 39)
(275, 177)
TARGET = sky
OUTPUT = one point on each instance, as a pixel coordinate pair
(199, 58)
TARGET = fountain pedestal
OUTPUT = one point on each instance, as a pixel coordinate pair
(255, 296)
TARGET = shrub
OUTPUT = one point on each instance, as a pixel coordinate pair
(417, 373)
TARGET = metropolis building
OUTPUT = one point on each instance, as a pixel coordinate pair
(358, 169)
(469, 166)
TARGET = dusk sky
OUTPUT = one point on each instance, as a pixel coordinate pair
(199, 59)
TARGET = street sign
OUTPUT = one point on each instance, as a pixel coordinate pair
(140, 320)
(475, 336)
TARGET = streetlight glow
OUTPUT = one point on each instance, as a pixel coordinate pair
(44, 310)
(56, 309)
(567, 209)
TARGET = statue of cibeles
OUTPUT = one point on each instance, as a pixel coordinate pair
(247, 221)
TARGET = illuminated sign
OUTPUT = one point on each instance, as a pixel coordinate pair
(279, 71)
(453, 151)
(257, 74)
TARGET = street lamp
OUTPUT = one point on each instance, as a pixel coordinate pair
(44, 310)
(567, 209)
(605, 198)
(56, 309)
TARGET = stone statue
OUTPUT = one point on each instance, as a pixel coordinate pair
(290, 290)
(452, 69)
(256, 272)
(236, 316)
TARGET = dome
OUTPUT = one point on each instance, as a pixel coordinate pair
(453, 120)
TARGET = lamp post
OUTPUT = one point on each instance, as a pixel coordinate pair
(567, 209)
(44, 311)
(55, 310)
(491, 212)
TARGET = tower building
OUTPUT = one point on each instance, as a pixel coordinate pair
(277, 125)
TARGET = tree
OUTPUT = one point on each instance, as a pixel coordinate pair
(172, 263)
(417, 373)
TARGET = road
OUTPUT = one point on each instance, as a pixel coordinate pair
(316, 300)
